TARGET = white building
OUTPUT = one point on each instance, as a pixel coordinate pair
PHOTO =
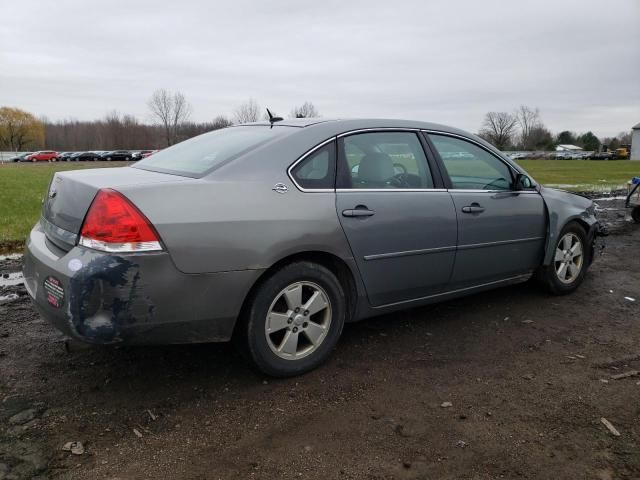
(568, 148)
(635, 142)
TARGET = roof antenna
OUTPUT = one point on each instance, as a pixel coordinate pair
(273, 119)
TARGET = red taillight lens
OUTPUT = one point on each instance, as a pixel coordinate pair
(114, 224)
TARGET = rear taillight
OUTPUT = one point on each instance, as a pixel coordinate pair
(114, 224)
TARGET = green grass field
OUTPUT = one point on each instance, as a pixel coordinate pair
(23, 185)
(582, 175)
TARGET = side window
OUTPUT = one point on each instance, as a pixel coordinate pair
(318, 169)
(471, 167)
(375, 160)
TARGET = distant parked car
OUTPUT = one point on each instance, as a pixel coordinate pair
(116, 155)
(42, 156)
(65, 156)
(84, 156)
(20, 157)
(148, 154)
(140, 154)
(602, 156)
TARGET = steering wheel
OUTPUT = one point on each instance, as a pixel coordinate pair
(399, 166)
(492, 184)
(400, 180)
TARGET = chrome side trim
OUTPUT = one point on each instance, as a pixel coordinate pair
(471, 190)
(522, 277)
(380, 256)
(389, 190)
(499, 242)
(426, 251)
(305, 155)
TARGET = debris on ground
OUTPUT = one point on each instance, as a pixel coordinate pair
(630, 299)
(446, 404)
(76, 448)
(137, 432)
(610, 427)
(152, 416)
(630, 373)
(461, 444)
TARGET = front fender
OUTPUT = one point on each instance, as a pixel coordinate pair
(562, 208)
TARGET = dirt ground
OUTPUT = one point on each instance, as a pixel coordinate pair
(528, 377)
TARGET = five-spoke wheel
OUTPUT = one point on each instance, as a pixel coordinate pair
(293, 319)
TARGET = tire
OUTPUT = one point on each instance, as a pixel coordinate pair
(635, 214)
(559, 280)
(278, 304)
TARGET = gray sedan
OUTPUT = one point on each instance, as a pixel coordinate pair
(276, 234)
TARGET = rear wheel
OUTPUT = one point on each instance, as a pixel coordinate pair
(570, 261)
(635, 214)
(293, 321)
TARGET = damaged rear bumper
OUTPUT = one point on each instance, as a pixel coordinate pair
(134, 298)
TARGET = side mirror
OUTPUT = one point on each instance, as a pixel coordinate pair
(523, 182)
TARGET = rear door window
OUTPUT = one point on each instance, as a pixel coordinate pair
(383, 160)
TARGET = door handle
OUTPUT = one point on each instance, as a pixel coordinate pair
(359, 211)
(473, 208)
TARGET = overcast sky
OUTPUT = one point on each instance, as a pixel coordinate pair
(445, 61)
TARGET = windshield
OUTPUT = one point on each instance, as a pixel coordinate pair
(200, 155)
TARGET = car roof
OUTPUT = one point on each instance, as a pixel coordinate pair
(340, 125)
(358, 123)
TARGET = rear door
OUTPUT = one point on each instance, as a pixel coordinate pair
(501, 232)
(399, 220)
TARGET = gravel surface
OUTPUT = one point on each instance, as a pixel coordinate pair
(512, 383)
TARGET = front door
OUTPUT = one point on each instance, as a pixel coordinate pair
(400, 224)
(501, 231)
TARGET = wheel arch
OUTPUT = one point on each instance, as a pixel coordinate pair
(339, 267)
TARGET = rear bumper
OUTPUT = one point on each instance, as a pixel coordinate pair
(136, 298)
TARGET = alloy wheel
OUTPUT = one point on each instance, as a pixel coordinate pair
(569, 258)
(298, 320)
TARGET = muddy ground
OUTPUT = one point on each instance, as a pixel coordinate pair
(528, 377)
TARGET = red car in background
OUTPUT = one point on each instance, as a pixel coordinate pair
(149, 153)
(42, 156)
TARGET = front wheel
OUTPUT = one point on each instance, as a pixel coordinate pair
(570, 261)
(293, 321)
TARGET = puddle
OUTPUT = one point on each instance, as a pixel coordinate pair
(11, 256)
(13, 279)
(9, 298)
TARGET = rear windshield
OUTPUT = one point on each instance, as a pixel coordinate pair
(202, 154)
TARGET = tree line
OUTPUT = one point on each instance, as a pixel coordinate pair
(171, 113)
(523, 129)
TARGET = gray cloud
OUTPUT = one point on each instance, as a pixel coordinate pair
(448, 62)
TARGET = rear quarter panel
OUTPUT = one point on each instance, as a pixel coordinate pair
(215, 226)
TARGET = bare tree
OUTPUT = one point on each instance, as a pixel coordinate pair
(220, 122)
(171, 109)
(247, 112)
(498, 128)
(528, 120)
(306, 110)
